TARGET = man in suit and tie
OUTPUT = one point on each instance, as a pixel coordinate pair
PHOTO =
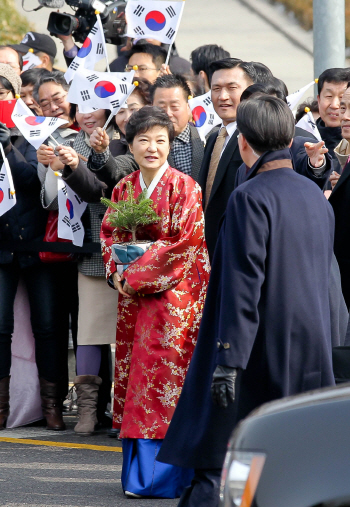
(170, 93)
(230, 77)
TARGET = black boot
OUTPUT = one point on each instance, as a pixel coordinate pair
(4, 401)
(51, 405)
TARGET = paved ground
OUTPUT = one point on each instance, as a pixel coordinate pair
(243, 27)
(42, 472)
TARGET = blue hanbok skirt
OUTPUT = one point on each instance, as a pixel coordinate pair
(143, 475)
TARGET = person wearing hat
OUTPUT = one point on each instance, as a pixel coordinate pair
(21, 226)
(42, 45)
(12, 58)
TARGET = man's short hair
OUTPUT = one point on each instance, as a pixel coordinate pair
(32, 76)
(231, 63)
(171, 81)
(336, 75)
(20, 59)
(56, 76)
(274, 87)
(52, 58)
(157, 53)
(263, 73)
(266, 122)
(203, 56)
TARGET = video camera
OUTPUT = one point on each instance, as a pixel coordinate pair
(79, 25)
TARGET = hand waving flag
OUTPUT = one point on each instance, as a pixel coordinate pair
(203, 114)
(153, 19)
(92, 51)
(92, 90)
(36, 129)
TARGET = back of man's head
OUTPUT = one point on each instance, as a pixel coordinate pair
(158, 54)
(203, 56)
(266, 122)
(335, 75)
(231, 63)
(171, 81)
(263, 73)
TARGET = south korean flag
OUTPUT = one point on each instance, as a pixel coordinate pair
(7, 190)
(30, 60)
(294, 98)
(307, 122)
(92, 51)
(204, 116)
(155, 20)
(35, 129)
(92, 90)
(70, 210)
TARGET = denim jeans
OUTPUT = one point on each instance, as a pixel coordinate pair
(44, 314)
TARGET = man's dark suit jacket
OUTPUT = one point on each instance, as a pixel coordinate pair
(223, 185)
(340, 201)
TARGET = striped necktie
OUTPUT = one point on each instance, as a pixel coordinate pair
(214, 162)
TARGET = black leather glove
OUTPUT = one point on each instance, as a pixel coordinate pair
(5, 137)
(223, 385)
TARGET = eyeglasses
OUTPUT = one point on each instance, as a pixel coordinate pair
(140, 68)
(4, 93)
(45, 106)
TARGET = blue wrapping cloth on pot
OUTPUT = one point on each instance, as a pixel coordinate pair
(124, 254)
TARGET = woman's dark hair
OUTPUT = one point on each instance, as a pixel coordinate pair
(5, 83)
(145, 119)
(311, 104)
(32, 76)
(266, 122)
(143, 89)
(273, 87)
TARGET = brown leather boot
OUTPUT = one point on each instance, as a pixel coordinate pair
(87, 387)
(51, 405)
(4, 401)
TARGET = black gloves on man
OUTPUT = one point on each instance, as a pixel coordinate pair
(223, 385)
(5, 139)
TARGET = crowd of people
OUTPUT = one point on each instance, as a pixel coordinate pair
(245, 288)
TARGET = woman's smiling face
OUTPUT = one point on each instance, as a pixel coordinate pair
(89, 122)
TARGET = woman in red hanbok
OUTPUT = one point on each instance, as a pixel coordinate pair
(160, 309)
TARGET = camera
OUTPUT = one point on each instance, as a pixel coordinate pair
(79, 25)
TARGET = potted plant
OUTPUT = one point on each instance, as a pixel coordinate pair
(129, 216)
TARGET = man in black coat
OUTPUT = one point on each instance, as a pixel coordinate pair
(265, 332)
(340, 201)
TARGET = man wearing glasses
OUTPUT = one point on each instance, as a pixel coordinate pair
(146, 60)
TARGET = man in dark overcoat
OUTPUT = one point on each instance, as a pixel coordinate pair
(265, 332)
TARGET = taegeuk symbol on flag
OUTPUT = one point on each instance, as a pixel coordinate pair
(70, 210)
(92, 51)
(94, 90)
(7, 190)
(30, 60)
(35, 129)
(153, 19)
(203, 114)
